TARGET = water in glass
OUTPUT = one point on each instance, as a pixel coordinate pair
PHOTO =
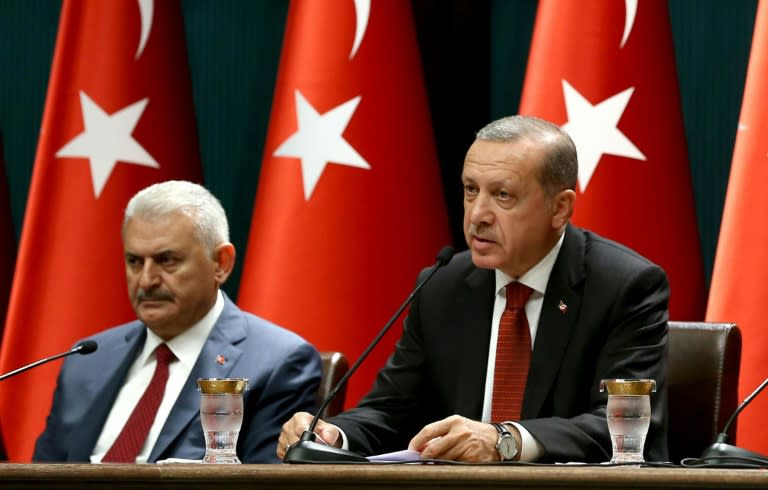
(221, 416)
(629, 417)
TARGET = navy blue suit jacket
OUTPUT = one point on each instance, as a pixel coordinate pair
(614, 325)
(283, 370)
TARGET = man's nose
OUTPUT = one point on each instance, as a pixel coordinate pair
(149, 275)
(480, 211)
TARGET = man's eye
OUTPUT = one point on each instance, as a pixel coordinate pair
(503, 195)
(470, 190)
(165, 260)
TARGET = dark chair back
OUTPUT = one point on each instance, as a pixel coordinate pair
(335, 366)
(703, 380)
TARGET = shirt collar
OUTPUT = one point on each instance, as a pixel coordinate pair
(187, 345)
(537, 276)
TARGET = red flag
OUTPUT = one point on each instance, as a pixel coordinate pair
(738, 292)
(605, 71)
(349, 206)
(118, 117)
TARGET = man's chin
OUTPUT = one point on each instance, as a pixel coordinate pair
(483, 261)
(151, 315)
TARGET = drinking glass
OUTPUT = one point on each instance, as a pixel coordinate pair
(221, 415)
(629, 415)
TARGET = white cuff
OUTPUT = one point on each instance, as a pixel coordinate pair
(532, 448)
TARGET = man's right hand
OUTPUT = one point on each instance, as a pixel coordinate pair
(295, 427)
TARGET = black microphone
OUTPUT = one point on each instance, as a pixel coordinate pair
(84, 347)
(306, 450)
(721, 453)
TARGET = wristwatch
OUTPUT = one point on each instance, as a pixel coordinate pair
(506, 446)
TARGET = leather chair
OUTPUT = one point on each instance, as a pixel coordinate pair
(703, 379)
(335, 366)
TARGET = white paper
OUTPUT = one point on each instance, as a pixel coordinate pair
(178, 460)
(396, 457)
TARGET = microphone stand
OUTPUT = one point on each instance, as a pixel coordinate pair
(85, 347)
(306, 450)
(721, 453)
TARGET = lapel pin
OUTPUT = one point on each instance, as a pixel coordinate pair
(220, 360)
(562, 307)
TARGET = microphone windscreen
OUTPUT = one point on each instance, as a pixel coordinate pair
(444, 256)
(87, 346)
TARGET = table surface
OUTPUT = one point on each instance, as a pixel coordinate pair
(193, 476)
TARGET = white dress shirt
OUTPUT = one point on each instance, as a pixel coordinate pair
(536, 278)
(186, 347)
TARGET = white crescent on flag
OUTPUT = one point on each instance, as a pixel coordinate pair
(362, 12)
(629, 20)
(146, 10)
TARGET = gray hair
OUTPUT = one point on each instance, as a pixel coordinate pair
(559, 170)
(195, 201)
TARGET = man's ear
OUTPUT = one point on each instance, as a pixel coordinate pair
(224, 255)
(562, 208)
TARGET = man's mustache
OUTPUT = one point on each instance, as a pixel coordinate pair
(153, 295)
(481, 232)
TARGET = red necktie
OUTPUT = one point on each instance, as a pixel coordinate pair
(132, 437)
(513, 356)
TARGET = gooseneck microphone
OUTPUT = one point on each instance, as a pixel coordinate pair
(721, 453)
(306, 450)
(84, 347)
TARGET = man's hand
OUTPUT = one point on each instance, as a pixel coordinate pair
(295, 427)
(457, 439)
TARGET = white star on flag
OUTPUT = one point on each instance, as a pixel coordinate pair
(107, 139)
(318, 141)
(594, 132)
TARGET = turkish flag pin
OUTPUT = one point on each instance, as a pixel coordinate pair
(220, 360)
(562, 307)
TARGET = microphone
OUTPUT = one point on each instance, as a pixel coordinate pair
(84, 347)
(721, 453)
(306, 450)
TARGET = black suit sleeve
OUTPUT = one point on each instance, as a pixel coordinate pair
(629, 340)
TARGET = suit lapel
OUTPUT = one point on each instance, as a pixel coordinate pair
(559, 313)
(219, 356)
(474, 333)
(100, 388)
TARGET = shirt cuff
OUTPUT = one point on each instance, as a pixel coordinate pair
(344, 441)
(532, 449)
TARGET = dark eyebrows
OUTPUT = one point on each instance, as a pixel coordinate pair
(161, 254)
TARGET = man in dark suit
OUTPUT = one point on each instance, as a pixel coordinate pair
(177, 255)
(596, 310)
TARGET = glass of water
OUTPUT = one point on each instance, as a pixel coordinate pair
(629, 415)
(221, 415)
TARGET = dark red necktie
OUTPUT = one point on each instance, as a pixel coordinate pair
(513, 356)
(132, 437)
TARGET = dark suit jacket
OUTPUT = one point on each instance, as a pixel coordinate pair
(615, 326)
(283, 370)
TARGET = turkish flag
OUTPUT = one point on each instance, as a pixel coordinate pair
(605, 72)
(739, 288)
(349, 206)
(118, 117)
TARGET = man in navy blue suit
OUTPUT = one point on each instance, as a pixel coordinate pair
(177, 256)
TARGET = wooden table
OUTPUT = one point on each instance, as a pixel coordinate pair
(401, 477)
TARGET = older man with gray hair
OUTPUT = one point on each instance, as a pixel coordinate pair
(177, 256)
(503, 352)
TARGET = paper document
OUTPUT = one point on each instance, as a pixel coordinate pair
(396, 457)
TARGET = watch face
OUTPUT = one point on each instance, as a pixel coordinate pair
(507, 447)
